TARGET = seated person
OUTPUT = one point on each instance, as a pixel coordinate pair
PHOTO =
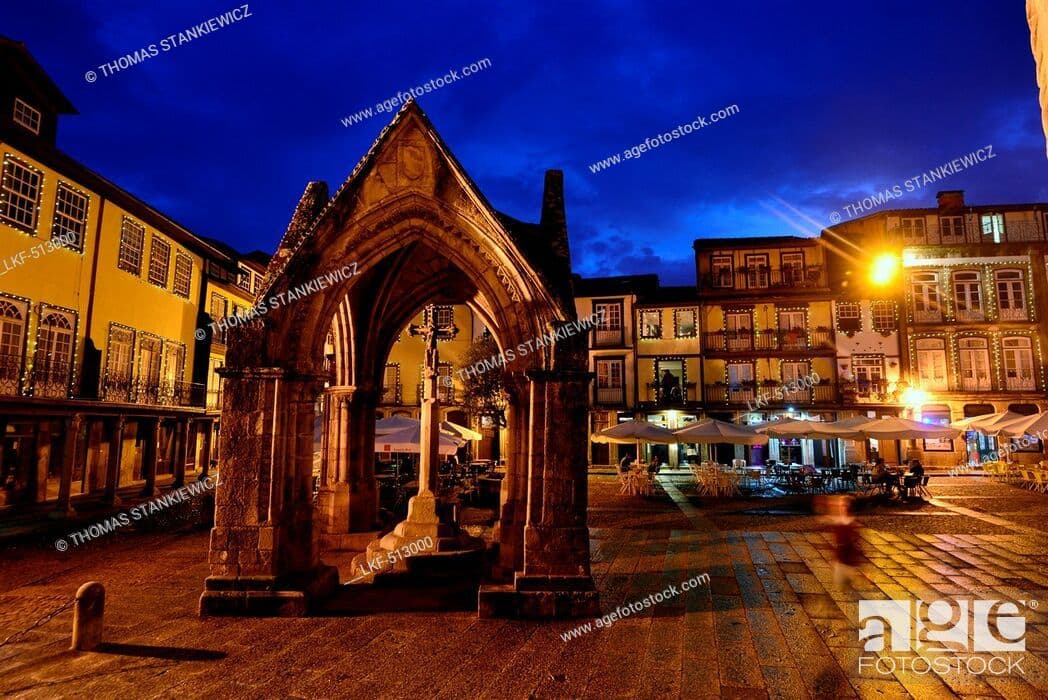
(916, 468)
(625, 463)
(655, 465)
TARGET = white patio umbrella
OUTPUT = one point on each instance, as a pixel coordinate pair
(989, 423)
(459, 431)
(392, 424)
(893, 428)
(710, 431)
(791, 428)
(634, 431)
(1036, 424)
(846, 428)
(408, 439)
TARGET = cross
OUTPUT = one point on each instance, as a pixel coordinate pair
(431, 332)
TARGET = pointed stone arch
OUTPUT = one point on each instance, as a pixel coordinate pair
(415, 230)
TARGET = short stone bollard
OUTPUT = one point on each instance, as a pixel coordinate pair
(88, 613)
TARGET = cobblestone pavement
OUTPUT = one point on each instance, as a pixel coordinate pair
(770, 622)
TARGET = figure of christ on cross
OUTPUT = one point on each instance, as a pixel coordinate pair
(429, 433)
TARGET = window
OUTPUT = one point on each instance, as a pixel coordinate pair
(869, 373)
(53, 362)
(119, 354)
(912, 229)
(756, 271)
(610, 382)
(20, 194)
(219, 310)
(967, 293)
(937, 414)
(925, 289)
(70, 220)
(739, 330)
(973, 355)
(931, 363)
(684, 323)
(721, 271)
(794, 374)
(993, 226)
(951, 227)
(159, 261)
(792, 329)
(391, 384)
(849, 316)
(741, 386)
(609, 325)
(670, 381)
(132, 243)
(183, 275)
(244, 278)
(444, 316)
(149, 370)
(650, 324)
(12, 345)
(792, 268)
(883, 315)
(174, 370)
(1011, 295)
(27, 116)
(1017, 356)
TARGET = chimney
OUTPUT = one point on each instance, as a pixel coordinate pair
(553, 201)
(950, 201)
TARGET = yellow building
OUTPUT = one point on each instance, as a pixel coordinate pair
(768, 342)
(99, 303)
(402, 382)
(973, 334)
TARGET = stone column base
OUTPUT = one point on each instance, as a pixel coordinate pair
(541, 597)
(267, 596)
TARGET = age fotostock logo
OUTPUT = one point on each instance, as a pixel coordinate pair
(958, 627)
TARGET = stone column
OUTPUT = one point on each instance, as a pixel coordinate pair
(514, 497)
(116, 446)
(264, 550)
(71, 457)
(556, 580)
(150, 450)
(205, 449)
(348, 498)
(180, 435)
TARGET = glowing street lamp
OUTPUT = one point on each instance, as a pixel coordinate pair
(884, 268)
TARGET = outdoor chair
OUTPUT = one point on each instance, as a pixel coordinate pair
(909, 486)
(1040, 481)
(922, 488)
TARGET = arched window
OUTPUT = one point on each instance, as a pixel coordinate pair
(12, 344)
(924, 286)
(53, 361)
(931, 363)
(1017, 358)
(1011, 295)
(974, 359)
(967, 293)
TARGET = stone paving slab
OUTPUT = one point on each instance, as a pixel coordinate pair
(769, 623)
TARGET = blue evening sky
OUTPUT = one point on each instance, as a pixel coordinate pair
(837, 101)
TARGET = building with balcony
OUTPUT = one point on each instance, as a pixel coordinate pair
(768, 342)
(616, 388)
(972, 336)
(99, 299)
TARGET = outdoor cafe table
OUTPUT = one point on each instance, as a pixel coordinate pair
(636, 482)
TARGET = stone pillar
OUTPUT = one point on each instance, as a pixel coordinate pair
(181, 437)
(205, 449)
(150, 450)
(116, 446)
(514, 497)
(556, 580)
(71, 456)
(348, 497)
(264, 551)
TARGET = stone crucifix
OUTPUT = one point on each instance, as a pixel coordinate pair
(429, 433)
